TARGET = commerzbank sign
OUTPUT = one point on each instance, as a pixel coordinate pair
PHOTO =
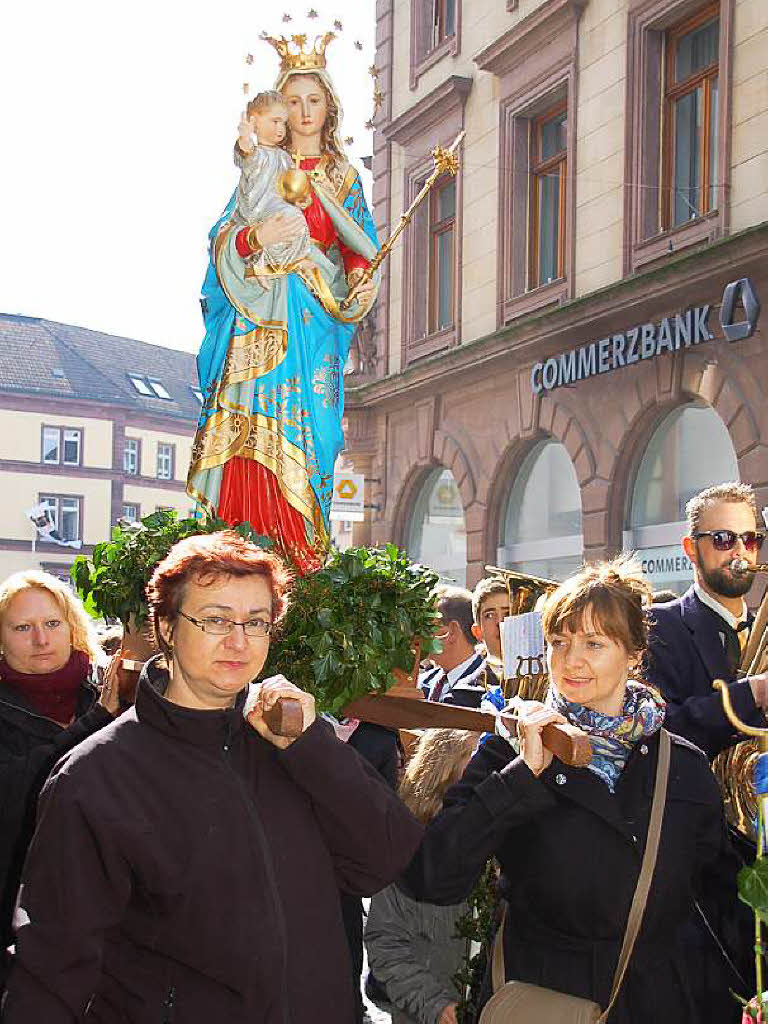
(647, 341)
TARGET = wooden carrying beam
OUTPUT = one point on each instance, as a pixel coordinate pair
(566, 742)
(394, 711)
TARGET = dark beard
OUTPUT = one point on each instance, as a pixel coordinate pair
(726, 583)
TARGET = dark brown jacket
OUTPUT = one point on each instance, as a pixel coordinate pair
(184, 870)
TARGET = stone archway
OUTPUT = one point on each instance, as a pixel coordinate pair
(433, 523)
(551, 417)
(698, 377)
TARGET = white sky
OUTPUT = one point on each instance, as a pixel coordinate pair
(116, 130)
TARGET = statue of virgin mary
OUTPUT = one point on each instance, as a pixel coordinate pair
(271, 366)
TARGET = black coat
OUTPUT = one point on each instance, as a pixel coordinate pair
(685, 655)
(381, 749)
(570, 854)
(30, 745)
(185, 870)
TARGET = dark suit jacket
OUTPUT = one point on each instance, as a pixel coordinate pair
(462, 693)
(685, 655)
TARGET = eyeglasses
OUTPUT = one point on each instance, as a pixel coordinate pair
(725, 540)
(217, 626)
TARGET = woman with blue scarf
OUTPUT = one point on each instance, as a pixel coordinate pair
(271, 366)
(570, 841)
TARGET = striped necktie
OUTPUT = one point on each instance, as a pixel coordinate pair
(438, 687)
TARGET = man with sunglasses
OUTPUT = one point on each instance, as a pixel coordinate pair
(700, 636)
(694, 640)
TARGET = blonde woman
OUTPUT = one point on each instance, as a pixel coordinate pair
(48, 704)
(412, 947)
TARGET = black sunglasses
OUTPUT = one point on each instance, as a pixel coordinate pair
(725, 540)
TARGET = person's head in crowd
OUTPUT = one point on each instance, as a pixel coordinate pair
(111, 639)
(723, 525)
(596, 629)
(490, 606)
(663, 596)
(439, 760)
(454, 629)
(214, 601)
(43, 625)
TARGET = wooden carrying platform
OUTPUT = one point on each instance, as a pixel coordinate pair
(404, 707)
(566, 742)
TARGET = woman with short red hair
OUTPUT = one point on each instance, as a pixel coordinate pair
(187, 860)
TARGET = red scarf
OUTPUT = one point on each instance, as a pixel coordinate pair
(51, 694)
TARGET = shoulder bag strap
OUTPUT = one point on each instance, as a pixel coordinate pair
(646, 871)
(497, 964)
(641, 892)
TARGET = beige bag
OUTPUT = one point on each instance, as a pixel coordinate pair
(516, 1002)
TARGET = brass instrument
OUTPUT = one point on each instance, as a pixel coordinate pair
(741, 565)
(530, 682)
(524, 590)
(734, 770)
(760, 742)
(734, 767)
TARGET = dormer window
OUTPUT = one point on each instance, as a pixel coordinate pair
(148, 387)
(158, 388)
(141, 385)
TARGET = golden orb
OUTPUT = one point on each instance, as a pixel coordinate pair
(294, 187)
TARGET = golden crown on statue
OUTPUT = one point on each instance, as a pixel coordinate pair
(294, 53)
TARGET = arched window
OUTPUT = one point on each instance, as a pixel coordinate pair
(690, 449)
(541, 529)
(437, 535)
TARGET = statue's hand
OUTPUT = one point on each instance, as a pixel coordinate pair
(361, 293)
(279, 229)
(244, 134)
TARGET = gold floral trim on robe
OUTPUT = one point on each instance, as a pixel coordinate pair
(258, 437)
(337, 174)
(254, 354)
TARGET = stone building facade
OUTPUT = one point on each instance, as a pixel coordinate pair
(96, 427)
(560, 361)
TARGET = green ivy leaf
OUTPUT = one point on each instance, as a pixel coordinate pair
(753, 887)
(321, 668)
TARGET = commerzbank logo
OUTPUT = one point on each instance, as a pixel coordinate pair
(346, 489)
(646, 341)
(735, 330)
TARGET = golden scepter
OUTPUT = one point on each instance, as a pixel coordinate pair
(446, 162)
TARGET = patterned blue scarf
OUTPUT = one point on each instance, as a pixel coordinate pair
(613, 737)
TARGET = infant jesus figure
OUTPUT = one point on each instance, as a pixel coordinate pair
(261, 166)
